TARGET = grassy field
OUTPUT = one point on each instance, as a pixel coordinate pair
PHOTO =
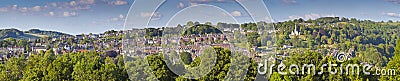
(37, 35)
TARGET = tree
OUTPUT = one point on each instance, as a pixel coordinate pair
(190, 23)
(372, 56)
(138, 69)
(12, 69)
(208, 23)
(186, 57)
(394, 64)
(179, 26)
(122, 74)
(60, 69)
(358, 39)
(196, 23)
(249, 26)
(202, 29)
(252, 38)
(88, 67)
(109, 70)
(159, 68)
(33, 69)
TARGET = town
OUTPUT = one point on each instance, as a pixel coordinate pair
(108, 42)
(111, 42)
(329, 39)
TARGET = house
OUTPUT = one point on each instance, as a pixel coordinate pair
(287, 47)
(351, 52)
(38, 49)
(2, 59)
(94, 36)
(79, 36)
(57, 51)
(4, 50)
(222, 45)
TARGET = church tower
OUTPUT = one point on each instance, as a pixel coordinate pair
(296, 30)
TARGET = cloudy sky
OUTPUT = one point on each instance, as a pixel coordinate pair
(96, 16)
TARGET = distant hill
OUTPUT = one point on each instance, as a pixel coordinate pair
(202, 29)
(33, 34)
(14, 33)
(42, 33)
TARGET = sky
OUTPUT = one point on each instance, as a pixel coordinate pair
(97, 16)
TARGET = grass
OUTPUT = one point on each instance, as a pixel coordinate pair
(37, 35)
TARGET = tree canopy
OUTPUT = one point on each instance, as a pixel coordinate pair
(202, 29)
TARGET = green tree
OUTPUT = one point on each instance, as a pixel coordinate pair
(33, 69)
(109, 70)
(252, 38)
(394, 64)
(60, 69)
(190, 23)
(88, 67)
(186, 58)
(12, 69)
(138, 69)
(122, 74)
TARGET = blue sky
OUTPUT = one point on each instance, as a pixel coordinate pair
(96, 16)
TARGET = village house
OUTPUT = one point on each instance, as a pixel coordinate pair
(38, 49)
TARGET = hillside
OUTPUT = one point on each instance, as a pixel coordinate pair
(31, 34)
(202, 29)
(42, 33)
(14, 33)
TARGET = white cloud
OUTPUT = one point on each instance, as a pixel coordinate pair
(391, 14)
(15, 7)
(36, 8)
(312, 16)
(289, 1)
(121, 16)
(196, 2)
(224, 14)
(394, 1)
(62, 9)
(51, 13)
(205, 1)
(26, 9)
(53, 4)
(155, 16)
(4, 9)
(268, 19)
(294, 17)
(118, 18)
(120, 2)
(66, 14)
(193, 3)
(331, 15)
(70, 14)
(236, 13)
(114, 19)
(305, 16)
(86, 1)
(181, 5)
(23, 9)
(72, 3)
(74, 14)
